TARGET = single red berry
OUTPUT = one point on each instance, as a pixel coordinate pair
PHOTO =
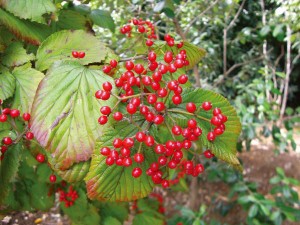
(14, 113)
(114, 154)
(149, 117)
(127, 161)
(157, 76)
(159, 149)
(136, 172)
(144, 109)
(6, 111)
(162, 160)
(7, 141)
(139, 68)
(105, 95)
(113, 63)
(106, 69)
(217, 111)
(167, 37)
(146, 80)
(176, 99)
(118, 116)
(149, 140)
(158, 119)
(187, 144)
(119, 162)
(172, 164)
(197, 131)
(102, 120)
(218, 131)
(29, 135)
(163, 68)
(105, 110)
(162, 92)
(131, 108)
(109, 161)
(98, 94)
(26, 116)
(135, 101)
(206, 106)
(191, 107)
(52, 178)
(211, 136)
(3, 118)
(171, 42)
(151, 99)
(125, 152)
(192, 123)
(168, 57)
(180, 45)
(155, 86)
(117, 143)
(139, 157)
(75, 54)
(107, 86)
(128, 142)
(199, 168)
(129, 65)
(140, 136)
(141, 29)
(3, 149)
(165, 183)
(151, 56)
(40, 158)
(172, 85)
(105, 151)
(149, 43)
(215, 121)
(176, 130)
(208, 154)
(159, 106)
(81, 55)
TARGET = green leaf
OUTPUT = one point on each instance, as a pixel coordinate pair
(253, 211)
(103, 19)
(115, 183)
(29, 9)
(75, 173)
(8, 169)
(27, 81)
(39, 198)
(65, 112)
(15, 55)
(117, 210)
(275, 180)
(59, 46)
(7, 83)
(30, 32)
(264, 31)
(280, 172)
(224, 146)
(72, 20)
(111, 221)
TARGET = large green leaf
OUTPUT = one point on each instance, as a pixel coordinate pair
(27, 81)
(72, 20)
(103, 19)
(27, 31)
(59, 46)
(29, 9)
(15, 55)
(8, 169)
(224, 147)
(115, 183)
(7, 83)
(194, 54)
(65, 112)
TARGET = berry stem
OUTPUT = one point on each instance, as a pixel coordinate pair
(168, 127)
(187, 113)
(133, 58)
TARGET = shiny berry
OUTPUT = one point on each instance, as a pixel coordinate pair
(139, 157)
(136, 172)
(176, 130)
(140, 136)
(40, 158)
(107, 86)
(208, 154)
(206, 106)
(26, 116)
(105, 151)
(14, 113)
(29, 135)
(105, 110)
(102, 120)
(211, 136)
(113, 63)
(75, 54)
(191, 107)
(7, 141)
(52, 178)
(3, 118)
(176, 99)
(118, 116)
(81, 55)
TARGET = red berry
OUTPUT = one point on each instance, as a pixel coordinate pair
(26, 116)
(128, 142)
(168, 57)
(118, 116)
(6, 111)
(191, 107)
(157, 76)
(136, 172)
(192, 123)
(176, 99)
(158, 119)
(149, 140)
(162, 160)
(206, 106)
(149, 117)
(217, 111)
(40, 158)
(135, 101)
(215, 121)
(159, 149)
(105, 151)
(102, 120)
(7, 141)
(165, 183)
(139, 68)
(144, 109)
(98, 94)
(159, 106)
(131, 108)
(149, 43)
(127, 162)
(14, 113)
(172, 164)
(106, 69)
(113, 63)
(141, 29)
(139, 157)
(208, 154)
(146, 80)
(180, 45)
(172, 85)
(29, 135)
(129, 65)
(211, 136)
(187, 144)
(52, 178)
(105, 110)
(105, 95)
(107, 86)
(151, 56)
(140, 136)
(151, 99)
(218, 131)
(182, 79)
(171, 42)
(81, 55)
(167, 37)
(163, 68)
(197, 131)
(176, 130)
(117, 143)
(75, 54)
(3, 118)
(109, 161)
(162, 92)
(125, 152)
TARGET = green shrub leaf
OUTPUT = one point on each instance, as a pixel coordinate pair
(7, 83)
(103, 19)
(15, 55)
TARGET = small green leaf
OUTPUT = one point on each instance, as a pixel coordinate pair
(253, 211)
(275, 180)
(115, 183)
(27, 81)
(103, 19)
(7, 83)
(15, 55)
(111, 221)
(8, 169)
(65, 112)
(29, 9)
(39, 198)
(59, 46)
(72, 20)
(264, 31)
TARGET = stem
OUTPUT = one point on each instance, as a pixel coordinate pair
(168, 127)
(187, 113)
(133, 58)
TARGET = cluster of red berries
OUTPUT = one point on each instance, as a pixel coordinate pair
(68, 197)
(7, 116)
(144, 89)
(78, 55)
(143, 27)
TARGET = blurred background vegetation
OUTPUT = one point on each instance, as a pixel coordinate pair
(253, 51)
